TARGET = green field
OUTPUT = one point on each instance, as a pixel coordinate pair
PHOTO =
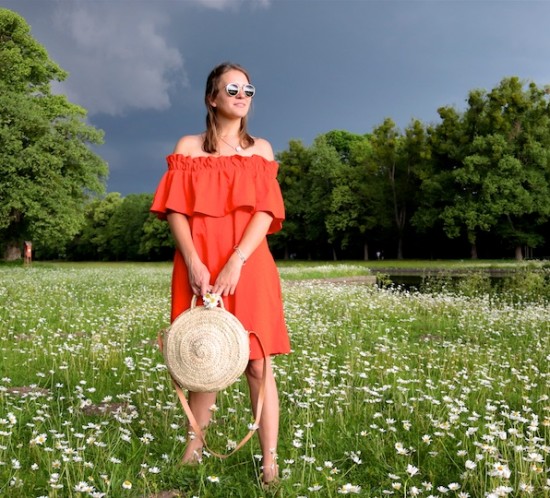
(387, 392)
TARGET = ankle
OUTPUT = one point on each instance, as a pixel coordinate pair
(270, 469)
(193, 452)
(192, 457)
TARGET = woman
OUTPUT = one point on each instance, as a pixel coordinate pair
(221, 198)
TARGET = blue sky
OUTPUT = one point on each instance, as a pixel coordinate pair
(139, 67)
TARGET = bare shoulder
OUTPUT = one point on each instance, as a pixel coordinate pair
(263, 148)
(189, 145)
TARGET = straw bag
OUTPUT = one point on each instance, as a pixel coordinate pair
(206, 349)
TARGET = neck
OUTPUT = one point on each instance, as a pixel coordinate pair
(229, 128)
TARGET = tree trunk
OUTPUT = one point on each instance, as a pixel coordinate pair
(519, 253)
(472, 239)
(365, 252)
(334, 256)
(12, 251)
(400, 247)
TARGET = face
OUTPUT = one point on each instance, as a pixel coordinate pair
(232, 107)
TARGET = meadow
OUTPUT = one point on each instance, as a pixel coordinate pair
(388, 391)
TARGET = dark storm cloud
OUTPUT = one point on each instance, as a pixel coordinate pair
(139, 66)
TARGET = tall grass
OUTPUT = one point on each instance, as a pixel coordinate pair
(386, 393)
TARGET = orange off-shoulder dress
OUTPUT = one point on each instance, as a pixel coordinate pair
(219, 195)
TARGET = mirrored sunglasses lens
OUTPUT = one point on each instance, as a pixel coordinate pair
(232, 89)
(249, 90)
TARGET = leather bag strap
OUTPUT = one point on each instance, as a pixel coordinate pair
(193, 421)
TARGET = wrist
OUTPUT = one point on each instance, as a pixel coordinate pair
(190, 258)
(240, 255)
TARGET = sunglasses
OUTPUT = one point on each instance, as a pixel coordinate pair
(233, 89)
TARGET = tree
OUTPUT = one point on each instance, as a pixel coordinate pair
(491, 167)
(448, 143)
(93, 241)
(397, 158)
(120, 228)
(357, 205)
(322, 178)
(156, 241)
(294, 166)
(518, 185)
(125, 227)
(47, 168)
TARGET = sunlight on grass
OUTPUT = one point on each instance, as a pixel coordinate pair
(386, 393)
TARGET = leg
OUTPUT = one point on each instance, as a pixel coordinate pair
(268, 431)
(200, 404)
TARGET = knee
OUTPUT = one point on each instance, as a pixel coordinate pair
(255, 369)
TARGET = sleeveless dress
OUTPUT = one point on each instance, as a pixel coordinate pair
(219, 195)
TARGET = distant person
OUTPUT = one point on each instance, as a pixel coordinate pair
(221, 198)
(27, 252)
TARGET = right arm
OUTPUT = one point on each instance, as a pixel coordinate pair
(199, 276)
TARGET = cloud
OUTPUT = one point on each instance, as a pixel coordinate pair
(120, 59)
(121, 55)
(223, 4)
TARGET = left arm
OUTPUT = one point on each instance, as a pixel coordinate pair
(255, 232)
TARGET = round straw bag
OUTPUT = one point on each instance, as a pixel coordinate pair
(206, 349)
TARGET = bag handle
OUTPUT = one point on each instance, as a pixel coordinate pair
(187, 409)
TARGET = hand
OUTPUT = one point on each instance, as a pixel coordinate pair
(199, 277)
(228, 278)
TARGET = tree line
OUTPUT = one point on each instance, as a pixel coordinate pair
(474, 184)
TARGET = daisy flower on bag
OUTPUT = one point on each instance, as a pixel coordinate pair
(210, 300)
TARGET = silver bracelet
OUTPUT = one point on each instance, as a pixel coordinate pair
(237, 249)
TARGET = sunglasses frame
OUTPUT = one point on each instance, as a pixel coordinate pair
(245, 87)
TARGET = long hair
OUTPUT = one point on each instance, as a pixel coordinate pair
(210, 143)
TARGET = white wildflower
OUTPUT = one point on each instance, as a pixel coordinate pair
(348, 488)
(412, 470)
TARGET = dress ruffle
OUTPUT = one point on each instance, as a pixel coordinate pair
(240, 182)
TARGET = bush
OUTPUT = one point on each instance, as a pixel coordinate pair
(527, 285)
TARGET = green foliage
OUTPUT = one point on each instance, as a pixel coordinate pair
(48, 170)
(528, 285)
(156, 242)
(333, 194)
(126, 225)
(294, 167)
(474, 284)
(355, 208)
(24, 64)
(122, 229)
(491, 166)
(398, 157)
(93, 241)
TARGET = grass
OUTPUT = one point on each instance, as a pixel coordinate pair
(387, 392)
